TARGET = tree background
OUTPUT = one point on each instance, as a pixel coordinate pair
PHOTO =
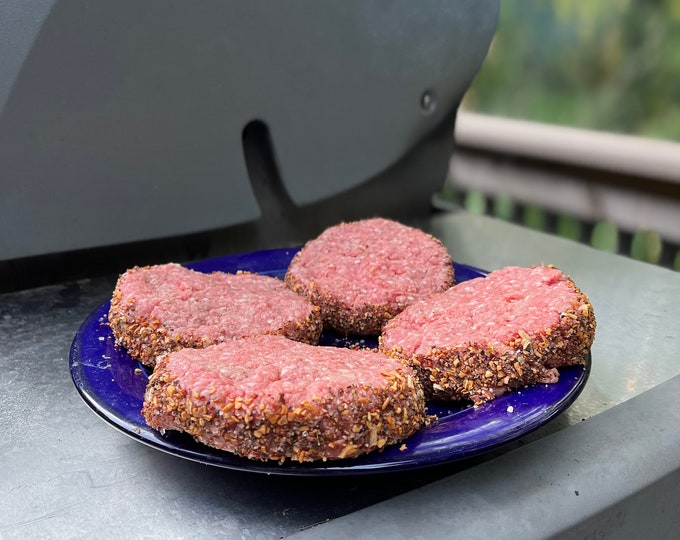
(611, 65)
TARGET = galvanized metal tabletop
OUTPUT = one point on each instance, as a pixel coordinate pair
(609, 464)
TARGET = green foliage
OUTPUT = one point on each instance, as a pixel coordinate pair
(646, 246)
(534, 217)
(475, 202)
(503, 207)
(568, 227)
(448, 193)
(605, 236)
(598, 65)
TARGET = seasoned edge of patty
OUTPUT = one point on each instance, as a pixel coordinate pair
(345, 423)
(480, 372)
(366, 318)
(145, 338)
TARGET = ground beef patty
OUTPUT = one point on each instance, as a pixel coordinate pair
(363, 273)
(486, 335)
(269, 398)
(163, 308)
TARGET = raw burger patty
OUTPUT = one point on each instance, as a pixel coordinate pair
(486, 335)
(163, 308)
(269, 398)
(363, 273)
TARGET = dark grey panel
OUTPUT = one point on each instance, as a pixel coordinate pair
(20, 23)
(125, 121)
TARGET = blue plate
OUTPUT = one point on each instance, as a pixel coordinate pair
(113, 385)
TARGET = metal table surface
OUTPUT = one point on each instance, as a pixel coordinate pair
(610, 465)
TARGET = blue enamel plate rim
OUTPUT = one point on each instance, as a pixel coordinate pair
(112, 385)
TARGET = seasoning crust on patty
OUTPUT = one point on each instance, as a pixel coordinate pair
(363, 273)
(489, 335)
(163, 308)
(270, 398)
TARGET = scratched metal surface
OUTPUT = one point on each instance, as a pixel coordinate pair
(67, 474)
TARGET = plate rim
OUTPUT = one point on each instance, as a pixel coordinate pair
(367, 464)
